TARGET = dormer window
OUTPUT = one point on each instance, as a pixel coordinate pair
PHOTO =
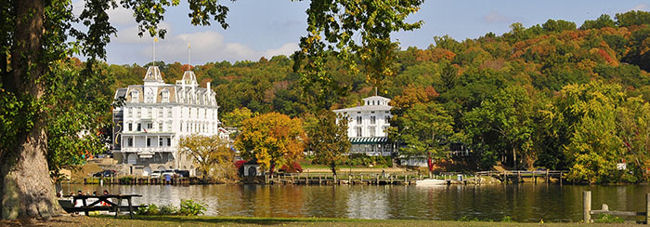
(165, 95)
(135, 95)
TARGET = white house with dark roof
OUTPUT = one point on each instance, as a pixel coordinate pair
(367, 126)
(154, 116)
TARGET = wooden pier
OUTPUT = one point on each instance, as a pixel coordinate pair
(306, 178)
(587, 211)
(518, 176)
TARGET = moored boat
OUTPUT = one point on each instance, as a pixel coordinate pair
(430, 182)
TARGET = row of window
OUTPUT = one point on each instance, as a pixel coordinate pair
(149, 97)
(184, 127)
(149, 113)
(161, 142)
(371, 130)
(376, 102)
(149, 126)
(373, 119)
(164, 97)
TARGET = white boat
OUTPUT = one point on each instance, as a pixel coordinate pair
(430, 182)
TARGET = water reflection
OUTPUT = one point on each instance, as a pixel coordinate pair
(524, 202)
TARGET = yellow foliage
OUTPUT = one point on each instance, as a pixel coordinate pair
(273, 139)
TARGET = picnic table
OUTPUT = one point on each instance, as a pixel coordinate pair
(108, 203)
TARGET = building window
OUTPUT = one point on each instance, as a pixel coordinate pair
(359, 132)
(387, 119)
(169, 142)
(130, 128)
(160, 142)
(372, 131)
(129, 142)
(139, 128)
(149, 125)
(148, 142)
(359, 120)
(373, 120)
(134, 96)
(165, 96)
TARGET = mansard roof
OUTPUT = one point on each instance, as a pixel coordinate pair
(381, 104)
(153, 75)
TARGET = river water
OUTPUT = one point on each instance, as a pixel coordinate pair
(521, 202)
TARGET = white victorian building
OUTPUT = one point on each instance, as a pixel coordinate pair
(154, 116)
(367, 126)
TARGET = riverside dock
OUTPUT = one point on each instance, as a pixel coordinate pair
(319, 178)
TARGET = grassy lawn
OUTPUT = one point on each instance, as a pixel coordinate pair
(268, 221)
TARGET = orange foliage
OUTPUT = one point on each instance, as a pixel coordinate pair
(434, 55)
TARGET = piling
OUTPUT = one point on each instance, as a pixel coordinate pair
(586, 206)
(647, 209)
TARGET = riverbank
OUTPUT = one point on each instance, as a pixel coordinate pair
(270, 221)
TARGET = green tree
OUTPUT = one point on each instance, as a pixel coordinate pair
(331, 26)
(633, 124)
(422, 126)
(78, 114)
(272, 139)
(588, 113)
(211, 154)
(236, 117)
(602, 22)
(503, 125)
(328, 139)
(34, 36)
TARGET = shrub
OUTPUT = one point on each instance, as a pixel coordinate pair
(606, 218)
(168, 210)
(191, 208)
(365, 160)
(149, 209)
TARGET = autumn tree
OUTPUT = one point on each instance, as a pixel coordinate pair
(273, 139)
(237, 116)
(328, 139)
(211, 154)
(588, 114)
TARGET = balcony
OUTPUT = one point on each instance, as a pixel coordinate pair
(150, 150)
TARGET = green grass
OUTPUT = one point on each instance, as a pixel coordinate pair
(266, 221)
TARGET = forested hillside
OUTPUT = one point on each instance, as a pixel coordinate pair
(553, 95)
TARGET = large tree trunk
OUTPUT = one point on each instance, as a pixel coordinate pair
(27, 189)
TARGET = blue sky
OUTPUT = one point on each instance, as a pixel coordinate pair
(272, 27)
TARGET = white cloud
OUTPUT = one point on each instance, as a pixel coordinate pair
(495, 17)
(117, 16)
(208, 46)
(641, 7)
(129, 35)
(286, 49)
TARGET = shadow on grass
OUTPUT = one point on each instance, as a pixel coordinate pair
(240, 220)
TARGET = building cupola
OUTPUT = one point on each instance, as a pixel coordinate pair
(153, 75)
